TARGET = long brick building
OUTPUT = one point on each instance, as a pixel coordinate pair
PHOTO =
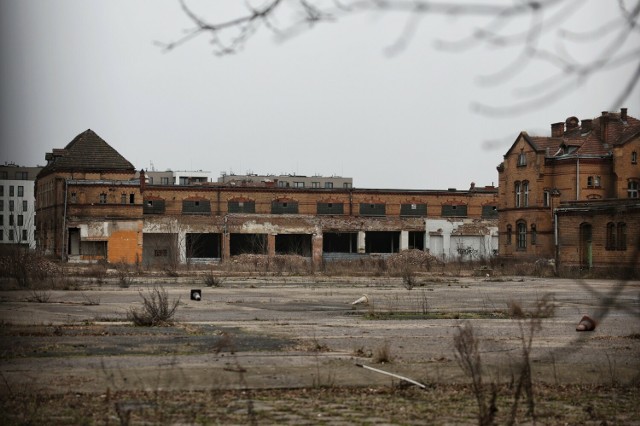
(573, 196)
(91, 205)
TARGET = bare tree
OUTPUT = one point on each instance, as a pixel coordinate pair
(612, 44)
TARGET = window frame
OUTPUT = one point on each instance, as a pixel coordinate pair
(517, 191)
(632, 188)
(521, 235)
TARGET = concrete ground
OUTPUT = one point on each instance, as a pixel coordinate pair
(267, 332)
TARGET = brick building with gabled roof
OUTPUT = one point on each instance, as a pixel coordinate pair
(573, 196)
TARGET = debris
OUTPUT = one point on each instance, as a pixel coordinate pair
(586, 324)
(196, 294)
(405, 379)
(363, 300)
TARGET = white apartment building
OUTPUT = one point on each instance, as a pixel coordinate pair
(17, 204)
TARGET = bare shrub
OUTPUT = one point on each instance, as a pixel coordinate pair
(90, 300)
(39, 296)
(544, 309)
(382, 354)
(211, 280)
(468, 358)
(125, 278)
(157, 309)
(408, 278)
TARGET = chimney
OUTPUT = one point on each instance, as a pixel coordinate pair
(586, 125)
(623, 114)
(143, 181)
(473, 185)
(557, 130)
(604, 123)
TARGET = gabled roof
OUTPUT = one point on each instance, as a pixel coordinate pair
(538, 143)
(592, 137)
(86, 152)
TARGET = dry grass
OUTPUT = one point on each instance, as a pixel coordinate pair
(157, 309)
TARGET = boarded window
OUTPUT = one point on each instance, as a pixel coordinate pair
(242, 206)
(284, 207)
(455, 210)
(330, 208)
(196, 207)
(372, 209)
(489, 212)
(153, 207)
(413, 209)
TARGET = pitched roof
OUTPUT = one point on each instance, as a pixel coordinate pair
(592, 137)
(86, 152)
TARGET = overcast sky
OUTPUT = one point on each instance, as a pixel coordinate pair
(329, 101)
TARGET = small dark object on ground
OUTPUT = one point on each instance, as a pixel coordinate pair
(586, 324)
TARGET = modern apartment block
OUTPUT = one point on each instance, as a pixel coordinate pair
(287, 181)
(92, 205)
(573, 196)
(17, 204)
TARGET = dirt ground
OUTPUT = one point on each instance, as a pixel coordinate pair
(257, 343)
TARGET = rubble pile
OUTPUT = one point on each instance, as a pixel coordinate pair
(416, 258)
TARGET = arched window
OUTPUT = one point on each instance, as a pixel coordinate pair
(525, 193)
(517, 191)
(521, 229)
(611, 236)
(622, 236)
(509, 234)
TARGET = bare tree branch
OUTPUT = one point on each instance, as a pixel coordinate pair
(546, 18)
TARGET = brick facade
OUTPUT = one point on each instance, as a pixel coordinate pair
(579, 175)
(91, 210)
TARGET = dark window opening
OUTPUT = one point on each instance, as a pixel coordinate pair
(203, 246)
(340, 242)
(382, 242)
(509, 234)
(132, 198)
(416, 240)
(247, 244)
(299, 244)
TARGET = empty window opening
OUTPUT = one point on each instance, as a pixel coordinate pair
(299, 244)
(340, 242)
(382, 242)
(132, 198)
(416, 240)
(247, 244)
(203, 246)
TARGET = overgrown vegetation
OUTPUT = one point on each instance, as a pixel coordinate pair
(157, 309)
